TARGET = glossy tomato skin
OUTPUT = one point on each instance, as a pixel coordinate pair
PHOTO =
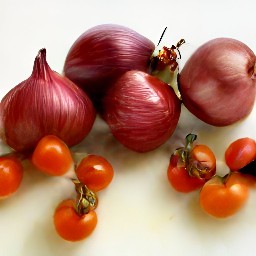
(180, 179)
(240, 153)
(203, 155)
(95, 172)
(69, 225)
(52, 156)
(222, 198)
(191, 166)
(11, 174)
(242, 178)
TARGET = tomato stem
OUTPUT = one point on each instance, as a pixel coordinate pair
(224, 178)
(190, 138)
(86, 199)
(194, 167)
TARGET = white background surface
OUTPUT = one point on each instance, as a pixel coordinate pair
(139, 214)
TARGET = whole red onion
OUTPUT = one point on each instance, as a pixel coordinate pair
(102, 54)
(141, 111)
(217, 83)
(45, 103)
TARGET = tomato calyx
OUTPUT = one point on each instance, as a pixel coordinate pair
(220, 179)
(86, 200)
(194, 167)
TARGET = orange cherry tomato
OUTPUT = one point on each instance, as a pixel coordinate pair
(11, 174)
(191, 166)
(95, 172)
(240, 153)
(52, 156)
(246, 179)
(223, 197)
(70, 225)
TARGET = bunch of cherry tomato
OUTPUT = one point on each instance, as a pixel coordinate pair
(193, 167)
(74, 219)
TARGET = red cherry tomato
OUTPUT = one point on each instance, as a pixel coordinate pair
(70, 225)
(191, 166)
(223, 197)
(179, 178)
(95, 172)
(240, 153)
(52, 156)
(11, 174)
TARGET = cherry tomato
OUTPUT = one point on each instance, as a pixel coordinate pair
(202, 157)
(70, 225)
(52, 156)
(95, 172)
(240, 153)
(180, 179)
(222, 197)
(191, 166)
(246, 179)
(11, 174)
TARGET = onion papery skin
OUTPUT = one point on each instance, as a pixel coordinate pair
(217, 83)
(102, 54)
(141, 111)
(45, 103)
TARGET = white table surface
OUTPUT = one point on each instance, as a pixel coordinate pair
(139, 213)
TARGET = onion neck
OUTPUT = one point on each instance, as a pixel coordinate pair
(170, 77)
(164, 65)
(41, 68)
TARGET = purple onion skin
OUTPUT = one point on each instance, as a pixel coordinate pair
(102, 54)
(217, 83)
(141, 111)
(45, 103)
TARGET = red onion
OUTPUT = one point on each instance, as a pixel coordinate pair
(141, 111)
(217, 83)
(45, 103)
(102, 54)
